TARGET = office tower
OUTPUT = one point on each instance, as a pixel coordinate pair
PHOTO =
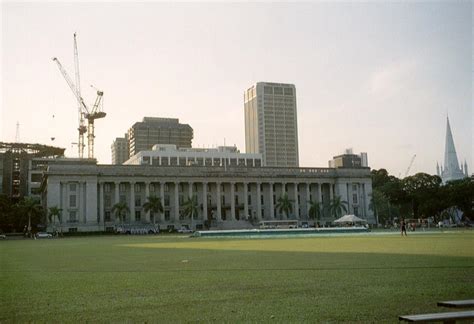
(271, 123)
(152, 130)
(120, 151)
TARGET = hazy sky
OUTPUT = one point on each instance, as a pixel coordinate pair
(378, 77)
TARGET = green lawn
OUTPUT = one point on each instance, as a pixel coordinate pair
(372, 278)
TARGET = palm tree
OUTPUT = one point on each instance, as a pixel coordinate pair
(337, 207)
(120, 209)
(315, 210)
(191, 208)
(55, 212)
(153, 205)
(30, 207)
(284, 205)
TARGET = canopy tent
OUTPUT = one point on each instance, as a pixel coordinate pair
(350, 219)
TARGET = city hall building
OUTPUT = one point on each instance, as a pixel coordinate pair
(227, 196)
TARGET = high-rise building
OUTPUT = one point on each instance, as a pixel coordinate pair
(451, 170)
(120, 151)
(271, 124)
(153, 130)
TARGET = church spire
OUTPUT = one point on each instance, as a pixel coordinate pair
(450, 158)
(451, 170)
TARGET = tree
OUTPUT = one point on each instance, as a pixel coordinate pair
(32, 209)
(55, 212)
(191, 208)
(337, 206)
(284, 205)
(423, 192)
(153, 205)
(120, 210)
(315, 210)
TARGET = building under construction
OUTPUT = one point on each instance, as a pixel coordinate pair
(18, 164)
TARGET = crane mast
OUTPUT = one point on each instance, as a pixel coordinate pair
(82, 128)
(83, 111)
(410, 165)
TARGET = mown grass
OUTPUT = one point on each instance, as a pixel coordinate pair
(179, 279)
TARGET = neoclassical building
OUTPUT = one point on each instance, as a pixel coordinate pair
(86, 193)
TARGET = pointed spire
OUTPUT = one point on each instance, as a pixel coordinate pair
(451, 171)
(450, 157)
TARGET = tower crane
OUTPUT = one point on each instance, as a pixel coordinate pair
(84, 112)
(410, 165)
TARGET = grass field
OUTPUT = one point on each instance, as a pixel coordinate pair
(372, 278)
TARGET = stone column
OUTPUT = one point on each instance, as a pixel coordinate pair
(101, 203)
(162, 198)
(308, 199)
(117, 196)
(246, 200)
(272, 209)
(147, 194)
(331, 194)
(259, 205)
(320, 192)
(132, 201)
(204, 201)
(218, 194)
(232, 200)
(297, 205)
(176, 202)
(190, 189)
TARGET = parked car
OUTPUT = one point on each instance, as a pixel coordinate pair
(43, 235)
(184, 229)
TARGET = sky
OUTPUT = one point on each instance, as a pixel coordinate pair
(377, 77)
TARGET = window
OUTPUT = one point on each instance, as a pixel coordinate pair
(166, 187)
(236, 200)
(72, 201)
(107, 216)
(181, 199)
(107, 187)
(249, 199)
(354, 199)
(107, 201)
(72, 229)
(288, 91)
(72, 216)
(123, 199)
(356, 211)
(122, 187)
(138, 188)
(354, 187)
(72, 187)
(152, 187)
(223, 200)
(167, 200)
(167, 215)
(267, 90)
(138, 201)
(261, 199)
(138, 215)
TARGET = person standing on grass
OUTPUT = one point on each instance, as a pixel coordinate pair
(403, 227)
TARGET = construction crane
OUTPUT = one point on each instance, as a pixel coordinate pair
(83, 111)
(410, 165)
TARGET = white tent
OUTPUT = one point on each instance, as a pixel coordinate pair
(350, 219)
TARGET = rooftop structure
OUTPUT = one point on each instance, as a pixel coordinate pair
(349, 160)
(170, 155)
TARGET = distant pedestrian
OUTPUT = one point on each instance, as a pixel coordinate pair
(403, 227)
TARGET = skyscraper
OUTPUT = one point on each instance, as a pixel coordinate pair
(271, 124)
(153, 130)
(120, 151)
(451, 170)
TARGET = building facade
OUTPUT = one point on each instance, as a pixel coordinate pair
(120, 152)
(152, 130)
(17, 167)
(271, 126)
(169, 154)
(87, 193)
